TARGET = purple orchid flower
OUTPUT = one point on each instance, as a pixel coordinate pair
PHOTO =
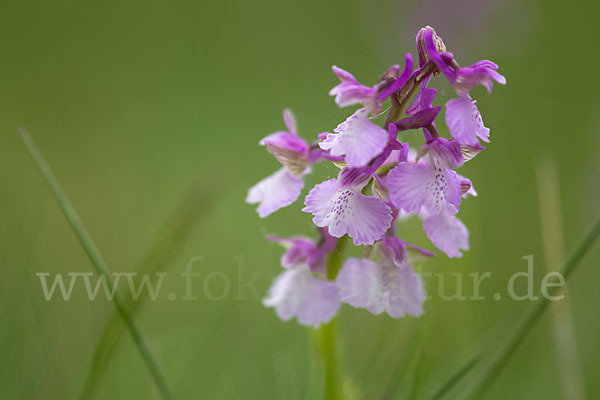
(301, 290)
(357, 138)
(381, 182)
(283, 187)
(462, 116)
(462, 79)
(350, 92)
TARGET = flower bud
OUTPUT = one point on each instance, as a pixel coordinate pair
(439, 44)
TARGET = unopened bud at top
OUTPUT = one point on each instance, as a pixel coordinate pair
(439, 44)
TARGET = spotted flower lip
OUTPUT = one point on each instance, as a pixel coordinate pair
(381, 182)
(347, 211)
(381, 287)
(464, 121)
(296, 292)
(425, 188)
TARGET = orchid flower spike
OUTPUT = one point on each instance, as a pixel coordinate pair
(381, 182)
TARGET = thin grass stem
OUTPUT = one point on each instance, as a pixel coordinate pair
(499, 362)
(96, 259)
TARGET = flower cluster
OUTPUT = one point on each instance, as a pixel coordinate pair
(381, 180)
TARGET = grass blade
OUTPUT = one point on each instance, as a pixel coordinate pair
(498, 363)
(96, 259)
(565, 340)
(454, 378)
(174, 231)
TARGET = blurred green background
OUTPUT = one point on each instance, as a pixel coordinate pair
(135, 103)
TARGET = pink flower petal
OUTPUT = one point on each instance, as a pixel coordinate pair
(447, 152)
(290, 121)
(275, 191)
(301, 250)
(395, 250)
(357, 138)
(447, 233)
(350, 91)
(466, 187)
(286, 140)
(424, 188)
(381, 287)
(345, 211)
(289, 149)
(298, 293)
(464, 121)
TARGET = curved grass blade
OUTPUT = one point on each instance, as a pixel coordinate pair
(96, 259)
(454, 378)
(565, 341)
(166, 246)
(491, 373)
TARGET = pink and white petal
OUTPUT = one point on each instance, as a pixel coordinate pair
(289, 149)
(357, 138)
(394, 249)
(305, 252)
(410, 295)
(275, 191)
(342, 74)
(424, 188)
(381, 287)
(466, 187)
(350, 91)
(356, 282)
(423, 99)
(355, 178)
(290, 121)
(299, 249)
(464, 121)
(447, 152)
(364, 218)
(286, 140)
(318, 199)
(447, 233)
(298, 293)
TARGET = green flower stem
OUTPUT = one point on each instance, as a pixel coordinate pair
(498, 363)
(326, 334)
(326, 341)
(96, 259)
